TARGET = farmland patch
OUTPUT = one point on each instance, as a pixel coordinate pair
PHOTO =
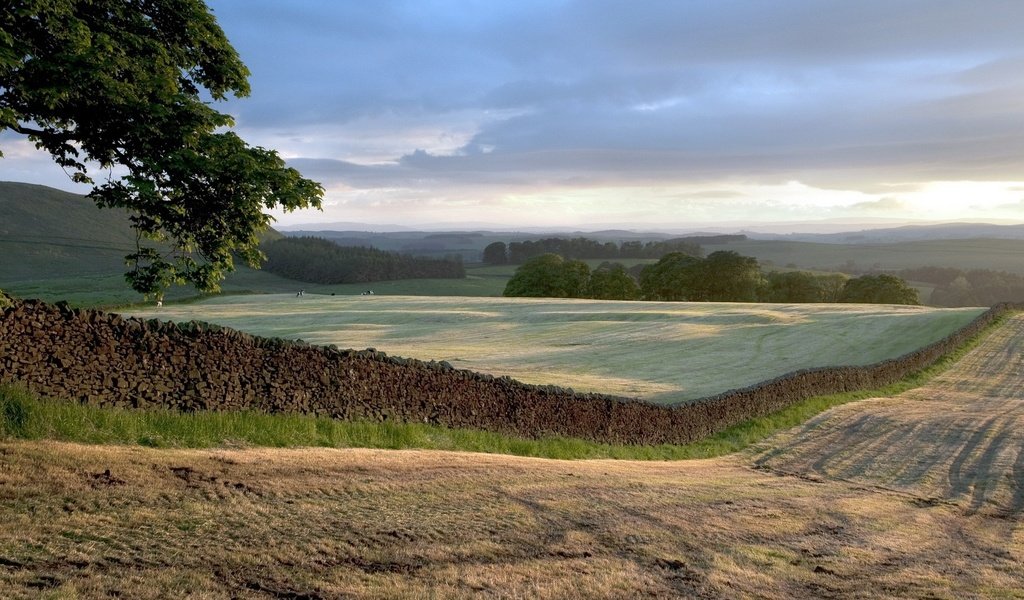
(660, 352)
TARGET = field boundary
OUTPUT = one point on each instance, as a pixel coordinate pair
(105, 359)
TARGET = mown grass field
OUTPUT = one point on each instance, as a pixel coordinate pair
(662, 352)
(914, 496)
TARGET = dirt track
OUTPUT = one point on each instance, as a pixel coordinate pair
(917, 496)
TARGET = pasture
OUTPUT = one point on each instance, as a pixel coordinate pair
(661, 352)
(109, 288)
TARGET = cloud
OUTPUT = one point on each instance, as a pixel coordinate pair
(1013, 206)
(881, 205)
(601, 90)
(448, 100)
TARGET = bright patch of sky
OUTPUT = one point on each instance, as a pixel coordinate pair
(602, 113)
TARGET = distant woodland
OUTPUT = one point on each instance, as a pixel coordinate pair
(973, 287)
(316, 260)
(516, 253)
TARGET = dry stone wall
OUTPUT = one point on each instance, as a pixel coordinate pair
(106, 359)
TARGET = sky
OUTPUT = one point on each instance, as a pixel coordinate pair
(660, 114)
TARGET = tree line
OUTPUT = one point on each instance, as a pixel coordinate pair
(316, 260)
(723, 276)
(515, 253)
(971, 287)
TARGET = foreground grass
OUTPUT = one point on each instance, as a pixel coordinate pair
(26, 416)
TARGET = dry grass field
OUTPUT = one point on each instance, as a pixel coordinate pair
(917, 496)
(659, 351)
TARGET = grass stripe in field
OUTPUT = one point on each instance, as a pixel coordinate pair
(661, 352)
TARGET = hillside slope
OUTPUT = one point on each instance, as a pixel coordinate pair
(47, 233)
(979, 253)
(57, 245)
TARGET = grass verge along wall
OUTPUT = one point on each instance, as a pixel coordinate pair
(105, 359)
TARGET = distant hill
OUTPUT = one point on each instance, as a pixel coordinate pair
(855, 258)
(908, 233)
(46, 232)
(55, 244)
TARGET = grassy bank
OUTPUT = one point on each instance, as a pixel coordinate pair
(25, 416)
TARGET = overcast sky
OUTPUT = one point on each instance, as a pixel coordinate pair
(594, 113)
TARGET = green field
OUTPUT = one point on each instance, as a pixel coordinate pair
(110, 290)
(662, 352)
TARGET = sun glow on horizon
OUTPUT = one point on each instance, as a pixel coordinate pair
(676, 205)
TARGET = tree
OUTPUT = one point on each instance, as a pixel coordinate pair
(122, 87)
(792, 287)
(575, 275)
(730, 277)
(879, 289)
(549, 276)
(832, 286)
(672, 278)
(958, 292)
(496, 253)
(801, 286)
(610, 281)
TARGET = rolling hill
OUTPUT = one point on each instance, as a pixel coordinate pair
(48, 233)
(906, 233)
(961, 253)
(56, 245)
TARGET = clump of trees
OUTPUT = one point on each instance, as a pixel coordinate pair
(611, 281)
(515, 253)
(800, 287)
(316, 260)
(496, 253)
(551, 276)
(724, 276)
(878, 289)
(972, 287)
(4, 299)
